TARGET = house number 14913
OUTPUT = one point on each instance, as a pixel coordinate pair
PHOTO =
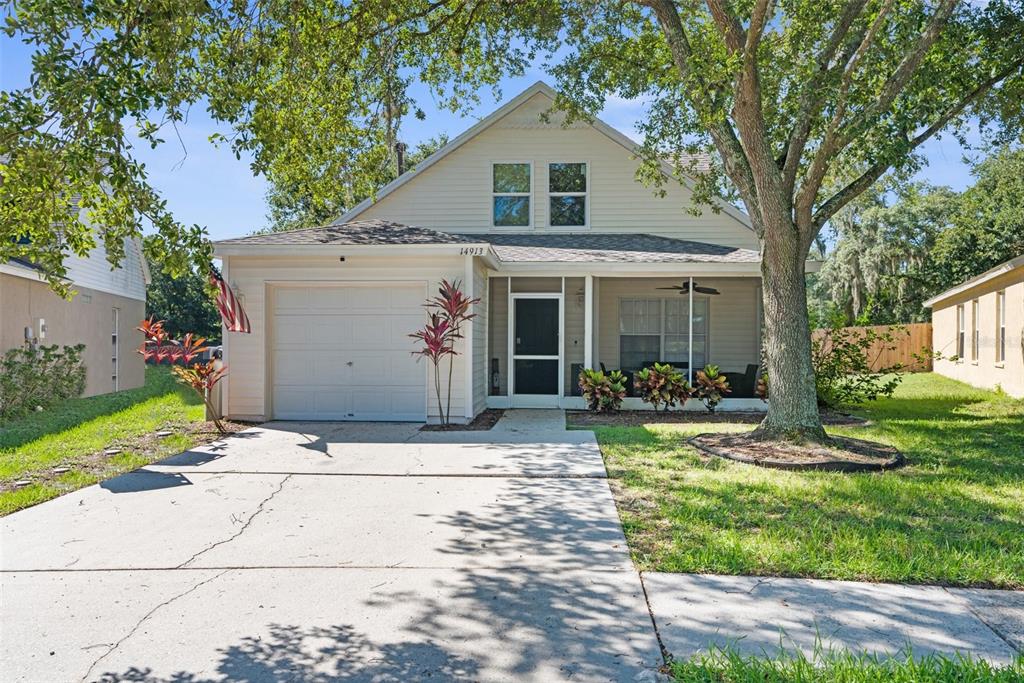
(472, 251)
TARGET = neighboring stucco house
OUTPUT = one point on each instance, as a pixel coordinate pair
(103, 314)
(978, 328)
(576, 264)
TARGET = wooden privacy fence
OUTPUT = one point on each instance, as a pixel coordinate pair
(908, 340)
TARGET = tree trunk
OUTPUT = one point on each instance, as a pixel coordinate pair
(792, 399)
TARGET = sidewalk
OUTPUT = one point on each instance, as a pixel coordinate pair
(755, 615)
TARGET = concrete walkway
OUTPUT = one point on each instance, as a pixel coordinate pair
(758, 615)
(317, 552)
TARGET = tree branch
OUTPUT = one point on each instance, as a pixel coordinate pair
(728, 25)
(737, 167)
(812, 98)
(876, 170)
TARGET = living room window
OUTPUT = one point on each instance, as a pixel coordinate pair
(511, 187)
(567, 194)
(658, 330)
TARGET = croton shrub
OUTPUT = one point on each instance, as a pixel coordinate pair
(39, 377)
(662, 385)
(602, 391)
(712, 386)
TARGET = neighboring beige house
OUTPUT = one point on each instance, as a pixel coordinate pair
(576, 264)
(978, 328)
(103, 314)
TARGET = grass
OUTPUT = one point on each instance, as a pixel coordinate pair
(75, 433)
(725, 666)
(953, 516)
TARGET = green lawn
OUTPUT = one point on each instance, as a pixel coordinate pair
(954, 515)
(75, 434)
(728, 667)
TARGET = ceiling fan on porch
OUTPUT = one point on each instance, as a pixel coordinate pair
(685, 288)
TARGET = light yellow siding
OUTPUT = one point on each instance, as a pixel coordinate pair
(986, 371)
(454, 194)
(248, 393)
(480, 285)
(497, 334)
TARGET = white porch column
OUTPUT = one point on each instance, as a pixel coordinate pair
(689, 342)
(588, 322)
(468, 288)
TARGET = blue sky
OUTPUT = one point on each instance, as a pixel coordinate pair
(206, 185)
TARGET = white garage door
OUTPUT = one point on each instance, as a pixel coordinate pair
(343, 352)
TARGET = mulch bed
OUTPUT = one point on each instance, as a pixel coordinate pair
(145, 444)
(483, 422)
(844, 454)
(637, 418)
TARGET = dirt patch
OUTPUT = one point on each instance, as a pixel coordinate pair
(101, 464)
(637, 418)
(844, 454)
(481, 423)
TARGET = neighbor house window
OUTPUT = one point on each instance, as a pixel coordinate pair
(1000, 326)
(960, 325)
(658, 330)
(974, 330)
(567, 194)
(510, 189)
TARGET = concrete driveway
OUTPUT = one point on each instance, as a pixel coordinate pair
(315, 552)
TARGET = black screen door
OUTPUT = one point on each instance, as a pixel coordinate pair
(535, 346)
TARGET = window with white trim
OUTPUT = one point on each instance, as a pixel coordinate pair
(510, 195)
(974, 330)
(960, 325)
(658, 330)
(567, 194)
(1000, 326)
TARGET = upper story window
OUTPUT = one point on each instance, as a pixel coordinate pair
(567, 191)
(511, 186)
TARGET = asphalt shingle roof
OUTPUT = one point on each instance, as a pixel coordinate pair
(591, 247)
(370, 232)
(614, 248)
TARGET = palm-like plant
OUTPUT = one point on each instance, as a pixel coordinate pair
(201, 377)
(447, 312)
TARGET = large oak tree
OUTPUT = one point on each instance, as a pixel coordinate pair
(806, 102)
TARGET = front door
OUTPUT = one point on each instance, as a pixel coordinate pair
(536, 361)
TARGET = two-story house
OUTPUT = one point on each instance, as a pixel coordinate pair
(103, 314)
(576, 264)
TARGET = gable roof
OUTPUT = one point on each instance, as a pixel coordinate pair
(542, 88)
(990, 274)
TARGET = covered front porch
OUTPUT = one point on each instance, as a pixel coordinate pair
(542, 329)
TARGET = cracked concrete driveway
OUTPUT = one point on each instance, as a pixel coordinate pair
(315, 552)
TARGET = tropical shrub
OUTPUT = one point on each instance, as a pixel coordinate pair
(711, 387)
(446, 313)
(662, 385)
(603, 392)
(39, 377)
(843, 358)
(188, 370)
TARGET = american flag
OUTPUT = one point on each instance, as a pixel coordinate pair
(231, 310)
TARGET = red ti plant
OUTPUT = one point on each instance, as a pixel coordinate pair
(437, 343)
(202, 377)
(447, 312)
